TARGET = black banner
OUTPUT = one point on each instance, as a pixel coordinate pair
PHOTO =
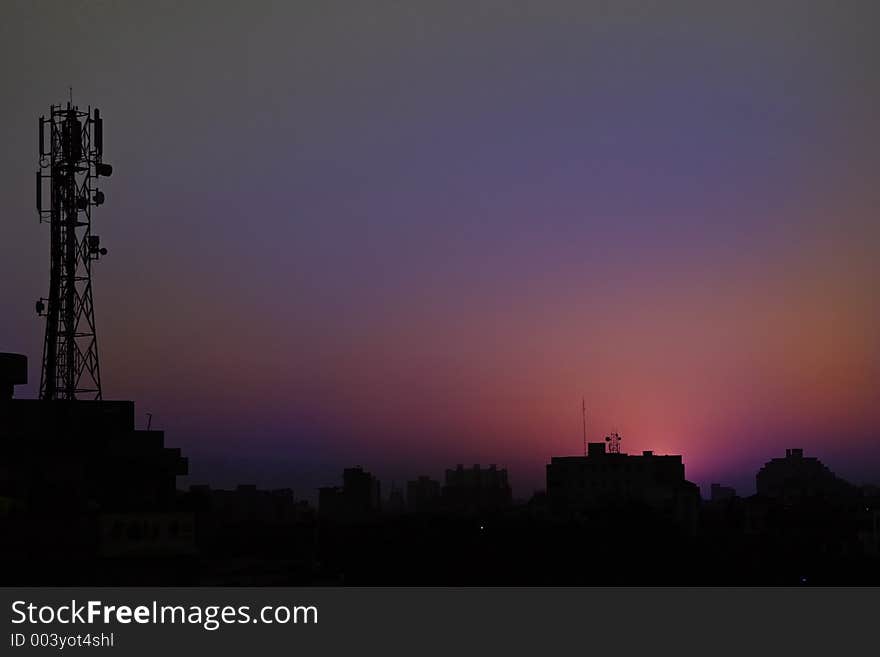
(408, 621)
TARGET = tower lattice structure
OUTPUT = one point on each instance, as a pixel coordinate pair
(71, 149)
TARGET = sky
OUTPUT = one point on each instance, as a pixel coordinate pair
(407, 235)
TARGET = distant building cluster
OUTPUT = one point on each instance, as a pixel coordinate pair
(476, 489)
(249, 504)
(79, 481)
(465, 491)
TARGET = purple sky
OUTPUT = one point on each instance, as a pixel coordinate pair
(410, 235)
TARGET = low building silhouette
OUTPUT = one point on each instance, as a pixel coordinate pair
(422, 495)
(153, 534)
(870, 530)
(357, 499)
(798, 479)
(719, 493)
(476, 489)
(13, 372)
(247, 503)
(396, 502)
(270, 531)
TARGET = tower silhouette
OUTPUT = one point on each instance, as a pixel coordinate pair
(71, 161)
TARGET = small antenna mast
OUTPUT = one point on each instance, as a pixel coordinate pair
(584, 418)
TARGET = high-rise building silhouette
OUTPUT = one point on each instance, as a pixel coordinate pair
(605, 479)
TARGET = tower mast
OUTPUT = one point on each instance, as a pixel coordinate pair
(72, 163)
(584, 418)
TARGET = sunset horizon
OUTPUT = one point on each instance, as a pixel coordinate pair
(409, 239)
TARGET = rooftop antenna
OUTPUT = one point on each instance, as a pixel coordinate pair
(584, 418)
(149, 420)
(613, 439)
(70, 158)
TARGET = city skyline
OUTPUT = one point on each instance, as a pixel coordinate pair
(409, 239)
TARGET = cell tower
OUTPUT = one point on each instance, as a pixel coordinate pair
(71, 163)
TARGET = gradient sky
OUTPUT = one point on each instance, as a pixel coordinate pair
(413, 234)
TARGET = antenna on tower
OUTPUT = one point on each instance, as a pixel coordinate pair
(584, 418)
(71, 160)
(613, 440)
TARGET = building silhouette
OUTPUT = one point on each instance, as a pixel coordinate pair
(869, 532)
(81, 481)
(719, 493)
(248, 504)
(85, 497)
(422, 495)
(609, 480)
(13, 372)
(357, 499)
(797, 479)
(270, 531)
(476, 489)
(396, 502)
